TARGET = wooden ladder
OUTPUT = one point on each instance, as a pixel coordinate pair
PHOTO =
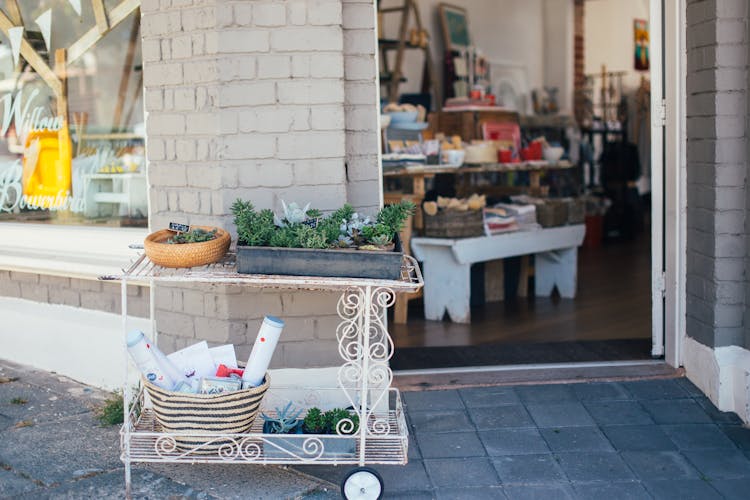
(393, 78)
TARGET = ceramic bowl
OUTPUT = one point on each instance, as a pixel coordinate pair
(403, 116)
(553, 153)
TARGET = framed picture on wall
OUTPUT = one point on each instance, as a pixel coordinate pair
(641, 35)
(455, 27)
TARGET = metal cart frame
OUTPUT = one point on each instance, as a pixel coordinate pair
(365, 378)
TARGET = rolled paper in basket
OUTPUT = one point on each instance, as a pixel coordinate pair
(144, 355)
(260, 356)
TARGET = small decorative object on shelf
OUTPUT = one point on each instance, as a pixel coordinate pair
(197, 247)
(304, 243)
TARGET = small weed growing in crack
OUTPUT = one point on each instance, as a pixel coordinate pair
(18, 401)
(110, 413)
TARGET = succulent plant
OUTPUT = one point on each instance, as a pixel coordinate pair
(286, 421)
(293, 214)
(196, 235)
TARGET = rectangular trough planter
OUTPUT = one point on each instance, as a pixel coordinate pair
(323, 263)
(291, 447)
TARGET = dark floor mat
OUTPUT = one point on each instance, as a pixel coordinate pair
(416, 358)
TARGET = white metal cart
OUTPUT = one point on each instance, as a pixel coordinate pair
(364, 381)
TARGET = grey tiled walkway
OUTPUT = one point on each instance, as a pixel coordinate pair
(660, 439)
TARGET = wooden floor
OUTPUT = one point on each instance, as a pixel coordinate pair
(613, 302)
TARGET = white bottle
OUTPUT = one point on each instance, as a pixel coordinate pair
(260, 356)
(147, 361)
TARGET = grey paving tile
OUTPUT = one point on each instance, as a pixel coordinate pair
(478, 397)
(654, 465)
(576, 439)
(606, 391)
(500, 417)
(689, 387)
(618, 412)
(410, 495)
(697, 436)
(638, 437)
(676, 411)
(733, 489)
(409, 477)
(718, 416)
(461, 472)
(413, 452)
(545, 393)
(739, 435)
(513, 442)
(484, 493)
(685, 489)
(440, 421)
(560, 414)
(539, 492)
(528, 469)
(720, 464)
(630, 490)
(656, 389)
(450, 444)
(594, 466)
(432, 400)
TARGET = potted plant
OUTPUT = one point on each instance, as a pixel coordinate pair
(302, 241)
(334, 428)
(187, 247)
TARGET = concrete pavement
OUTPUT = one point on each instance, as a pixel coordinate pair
(646, 439)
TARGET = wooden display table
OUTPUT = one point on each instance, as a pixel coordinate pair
(447, 265)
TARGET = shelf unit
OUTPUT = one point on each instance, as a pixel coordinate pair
(364, 378)
(391, 78)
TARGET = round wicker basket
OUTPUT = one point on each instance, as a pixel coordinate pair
(194, 417)
(186, 254)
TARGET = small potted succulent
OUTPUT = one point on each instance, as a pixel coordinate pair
(286, 421)
(302, 241)
(190, 246)
(337, 422)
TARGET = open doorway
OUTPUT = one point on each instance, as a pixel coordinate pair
(487, 79)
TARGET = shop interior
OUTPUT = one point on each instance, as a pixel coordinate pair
(520, 129)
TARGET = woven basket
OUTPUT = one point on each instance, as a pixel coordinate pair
(186, 254)
(454, 224)
(226, 413)
(552, 213)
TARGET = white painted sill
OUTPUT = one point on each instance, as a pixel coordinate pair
(71, 251)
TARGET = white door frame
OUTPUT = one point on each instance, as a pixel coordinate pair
(675, 187)
(657, 177)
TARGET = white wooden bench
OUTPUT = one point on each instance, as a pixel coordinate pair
(447, 265)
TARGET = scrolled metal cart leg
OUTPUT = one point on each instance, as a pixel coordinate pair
(126, 390)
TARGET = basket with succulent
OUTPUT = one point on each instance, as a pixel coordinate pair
(197, 246)
(302, 241)
(334, 429)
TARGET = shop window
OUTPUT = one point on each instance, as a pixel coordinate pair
(71, 113)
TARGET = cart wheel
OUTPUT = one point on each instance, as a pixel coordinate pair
(362, 483)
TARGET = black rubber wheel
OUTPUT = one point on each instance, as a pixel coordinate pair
(362, 483)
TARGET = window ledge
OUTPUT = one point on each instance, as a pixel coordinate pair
(72, 251)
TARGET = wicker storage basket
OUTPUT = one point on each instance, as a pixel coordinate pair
(454, 224)
(552, 213)
(226, 413)
(186, 254)
(576, 211)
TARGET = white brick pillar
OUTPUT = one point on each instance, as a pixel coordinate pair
(247, 99)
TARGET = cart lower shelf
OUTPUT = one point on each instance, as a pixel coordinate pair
(386, 442)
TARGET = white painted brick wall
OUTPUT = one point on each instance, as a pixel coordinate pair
(263, 100)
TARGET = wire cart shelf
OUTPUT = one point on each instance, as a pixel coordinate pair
(364, 379)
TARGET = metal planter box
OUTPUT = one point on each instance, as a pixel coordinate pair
(278, 446)
(324, 263)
